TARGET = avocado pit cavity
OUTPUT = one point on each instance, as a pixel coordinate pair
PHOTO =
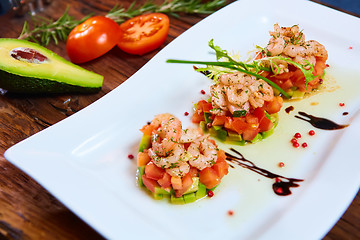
(28, 55)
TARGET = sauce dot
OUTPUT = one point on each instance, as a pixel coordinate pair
(186, 114)
(327, 65)
(230, 212)
(297, 135)
(304, 145)
(293, 140)
(342, 104)
(202, 92)
(311, 132)
(296, 144)
(130, 156)
(281, 164)
(350, 47)
(210, 193)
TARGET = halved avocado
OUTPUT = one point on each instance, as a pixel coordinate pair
(26, 67)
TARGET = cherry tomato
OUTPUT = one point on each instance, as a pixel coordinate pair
(144, 33)
(92, 39)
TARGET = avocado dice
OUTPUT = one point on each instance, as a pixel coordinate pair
(140, 173)
(145, 142)
(201, 192)
(27, 67)
(189, 198)
(177, 200)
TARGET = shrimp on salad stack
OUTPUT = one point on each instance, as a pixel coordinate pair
(241, 109)
(182, 164)
(288, 54)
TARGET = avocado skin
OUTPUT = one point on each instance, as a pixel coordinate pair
(18, 84)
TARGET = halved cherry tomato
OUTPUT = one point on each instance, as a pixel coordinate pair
(144, 33)
(92, 39)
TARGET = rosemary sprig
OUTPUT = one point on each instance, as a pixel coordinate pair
(45, 30)
(120, 14)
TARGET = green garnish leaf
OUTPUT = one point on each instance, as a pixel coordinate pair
(240, 113)
(308, 73)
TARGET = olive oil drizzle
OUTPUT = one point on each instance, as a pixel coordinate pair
(282, 184)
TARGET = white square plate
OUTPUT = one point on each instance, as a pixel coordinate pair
(83, 160)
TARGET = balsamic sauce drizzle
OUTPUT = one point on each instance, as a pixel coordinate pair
(282, 184)
(321, 123)
(289, 109)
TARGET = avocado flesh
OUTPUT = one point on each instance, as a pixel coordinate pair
(54, 75)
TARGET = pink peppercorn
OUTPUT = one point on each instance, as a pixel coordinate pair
(297, 135)
(210, 193)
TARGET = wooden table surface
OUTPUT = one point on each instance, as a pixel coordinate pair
(27, 210)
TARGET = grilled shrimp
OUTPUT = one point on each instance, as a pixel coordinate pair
(167, 132)
(260, 92)
(240, 79)
(276, 46)
(179, 170)
(218, 96)
(190, 135)
(204, 153)
(172, 159)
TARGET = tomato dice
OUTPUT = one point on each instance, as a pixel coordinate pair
(274, 105)
(186, 184)
(165, 181)
(219, 120)
(143, 158)
(144, 33)
(209, 177)
(154, 172)
(92, 38)
(221, 168)
(176, 182)
(239, 125)
(149, 183)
